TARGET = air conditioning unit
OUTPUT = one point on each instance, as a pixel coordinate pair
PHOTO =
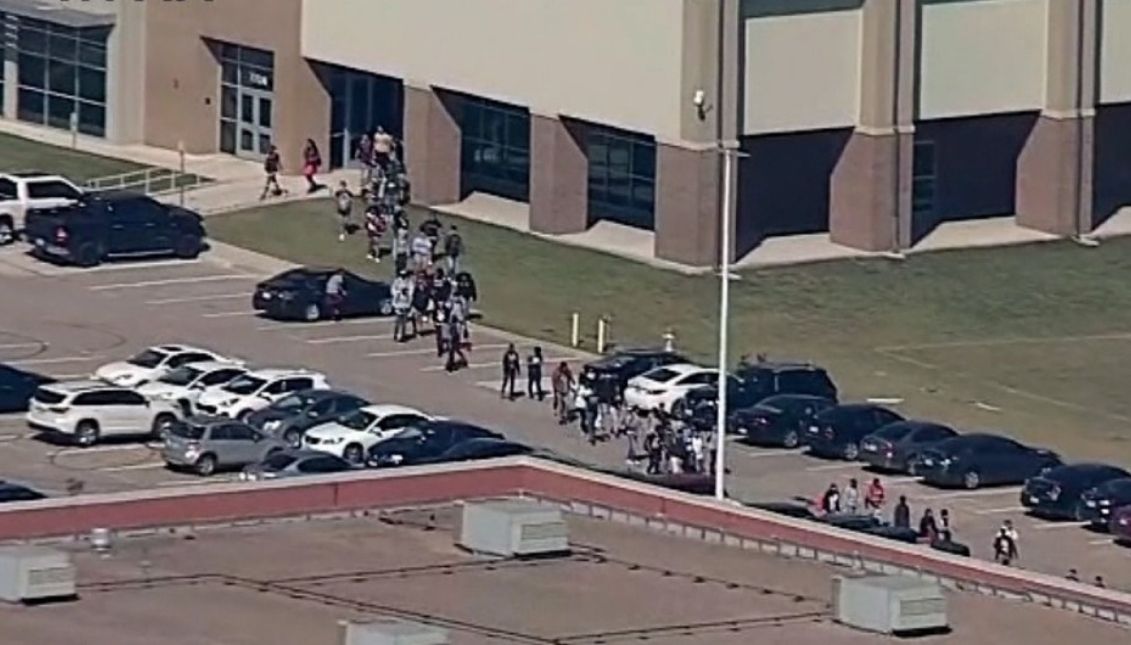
(513, 528)
(898, 605)
(392, 632)
(29, 574)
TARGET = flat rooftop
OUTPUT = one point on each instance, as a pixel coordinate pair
(293, 582)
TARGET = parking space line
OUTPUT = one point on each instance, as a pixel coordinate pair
(348, 339)
(176, 301)
(425, 351)
(995, 511)
(1048, 526)
(783, 452)
(988, 492)
(479, 366)
(1102, 541)
(127, 266)
(817, 469)
(149, 465)
(231, 314)
(54, 361)
(292, 326)
(158, 283)
(23, 345)
(69, 452)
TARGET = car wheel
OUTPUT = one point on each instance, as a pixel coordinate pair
(187, 247)
(206, 465)
(7, 232)
(971, 479)
(293, 438)
(386, 308)
(791, 440)
(161, 424)
(86, 433)
(88, 255)
(244, 415)
(311, 313)
(851, 452)
(354, 454)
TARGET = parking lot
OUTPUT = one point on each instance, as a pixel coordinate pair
(63, 322)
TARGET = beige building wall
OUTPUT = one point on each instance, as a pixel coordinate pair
(982, 57)
(802, 71)
(1115, 52)
(125, 75)
(614, 62)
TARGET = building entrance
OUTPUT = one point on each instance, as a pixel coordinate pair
(247, 101)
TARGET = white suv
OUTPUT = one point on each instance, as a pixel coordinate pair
(153, 363)
(27, 191)
(184, 384)
(256, 390)
(353, 434)
(87, 411)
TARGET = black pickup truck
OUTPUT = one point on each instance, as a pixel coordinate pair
(113, 225)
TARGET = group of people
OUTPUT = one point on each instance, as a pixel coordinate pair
(273, 165)
(440, 300)
(851, 500)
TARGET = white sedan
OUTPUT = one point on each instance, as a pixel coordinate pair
(660, 388)
(152, 363)
(352, 435)
(184, 384)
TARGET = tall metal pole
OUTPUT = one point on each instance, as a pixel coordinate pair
(724, 318)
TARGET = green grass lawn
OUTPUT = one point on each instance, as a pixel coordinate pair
(1033, 340)
(17, 153)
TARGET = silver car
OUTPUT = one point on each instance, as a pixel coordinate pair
(206, 445)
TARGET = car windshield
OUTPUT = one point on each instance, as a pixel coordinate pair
(661, 375)
(245, 385)
(358, 420)
(149, 358)
(278, 461)
(187, 431)
(48, 397)
(411, 432)
(292, 403)
(894, 431)
(183, 375)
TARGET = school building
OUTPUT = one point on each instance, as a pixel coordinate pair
(871, 120)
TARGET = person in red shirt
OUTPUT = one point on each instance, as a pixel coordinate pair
(311, 162)
(874, 498)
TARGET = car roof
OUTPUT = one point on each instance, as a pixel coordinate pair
(82, 385)
(854, 407)
(683, 368)
(320, 394)
(122, 196)
(387, 409)
(212, 366)
(779, 366)
(1085, 467)
(271, 373)
(177, 348)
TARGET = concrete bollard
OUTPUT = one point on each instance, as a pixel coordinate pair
(602, 334)
(575, 330)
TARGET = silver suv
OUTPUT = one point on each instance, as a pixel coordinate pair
(206, 445)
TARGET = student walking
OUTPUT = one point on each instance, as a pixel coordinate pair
(562, 384)
(311, 163)
(457, 331)
(343, 201)
(421, 252)
(402, 306)
(336, 294)
(453, 249)
(375, 226)
(272, 166)
(511, 371)
(534, 375)
(365, 161)
(400, 247)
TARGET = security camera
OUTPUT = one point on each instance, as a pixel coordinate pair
(699, 99)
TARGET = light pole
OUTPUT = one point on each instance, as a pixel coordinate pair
(724, 318)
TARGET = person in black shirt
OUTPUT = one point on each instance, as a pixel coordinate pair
(902, 516)
(534, 375)
(272, 165)
(511, 369)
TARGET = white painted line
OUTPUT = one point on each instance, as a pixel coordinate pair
(818, 469)
(291, 326)
(350, 339)
(782, 452)
(167, 281)
(988, 492)
(54, 361)
(1102, 541)
(72, 452)
(432, 351)
(23, 346)
(175, 301)
(496, 363)
(172, 483)
(154, 264)
(123, 469)
(1048, 526)
(1004, 509)
(231, 314)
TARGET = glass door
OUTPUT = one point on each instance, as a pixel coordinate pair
(254, 123)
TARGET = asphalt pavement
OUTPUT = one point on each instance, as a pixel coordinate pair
(64, 322)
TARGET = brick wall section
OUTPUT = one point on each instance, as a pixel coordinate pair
(559, 176)
(687, 204)
(433, 141)
(863, 206)
(1048, 169)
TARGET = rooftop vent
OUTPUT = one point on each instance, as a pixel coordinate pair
(898, 605)
(513, 529)
(31, 574)
(392, 632)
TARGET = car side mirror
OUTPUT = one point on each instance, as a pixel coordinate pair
(265, 396)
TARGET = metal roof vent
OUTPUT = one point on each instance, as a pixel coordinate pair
(31, 574)
(513, 529)
(898, 605)
(392, 632)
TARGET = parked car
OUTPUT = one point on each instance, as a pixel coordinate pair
(779, 420)
(763, 379)
(300, 294)
(207, 444)
(295, 463)
(183, 385)
(975, 460)
(17, 387)
(1099, 502)
(1120, 525)
(23, 192)
(896, 446)
(153, 363)
(10, 492)
(423, 442)
(114, 225)
(838, 431)
(256, 390)
(1058, 492)
(475, 449)
(868, 524)
(291, 416)
(658, 389)
(626, 364)
(351, 435)
(87, 411)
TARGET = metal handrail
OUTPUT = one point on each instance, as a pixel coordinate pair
(151, 181)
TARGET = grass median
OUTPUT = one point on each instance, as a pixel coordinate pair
(21, 154)
(1031, 340)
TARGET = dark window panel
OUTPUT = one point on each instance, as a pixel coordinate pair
(98, 35)
(33, 71)
(92, 85)
(92, 119)
(62, 77)
(92, 55)
(228, 137)
(257, 57)
(63, 48)
(31, 106)
(228, 101)
(644, 160)
(229, 73)
(31, 40)
(59, 110)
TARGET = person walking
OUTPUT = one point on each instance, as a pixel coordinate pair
(562, 384)
(946, 534)
(311, 163)
(431, 228)
(534, 375)
(875, 496)
(901, 518)
(928, 527)
(336, 294)
(1005, 547)
(830, 501)
(453, 249)
(456, 331)
(272, 166)
(382, 147)
(654, 453)
(343, 201)
(421, 252)
(402, 306)
(375, 227)
(400, 248)
(852, 497)
(512, 368)
(365, 162)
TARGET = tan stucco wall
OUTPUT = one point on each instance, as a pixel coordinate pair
(802, 71)
(125, 75)
(183, 76)
(982, 57)
(1115, 52)
(614, 62)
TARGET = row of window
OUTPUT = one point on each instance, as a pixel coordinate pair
(622, 177)
(496, 148)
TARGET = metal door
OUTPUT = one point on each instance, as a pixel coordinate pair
(255, 123)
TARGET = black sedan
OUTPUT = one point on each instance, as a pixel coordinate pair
(423, 443)
(10, 492)
(838, 431)
(779, 420)
(622, 365)
(896, 446)
(1058, 493)
(975, 460)
(291, 416)
(300, 294)
(1097, 504)
(475, 449)
(17, 387)
(868, 524)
